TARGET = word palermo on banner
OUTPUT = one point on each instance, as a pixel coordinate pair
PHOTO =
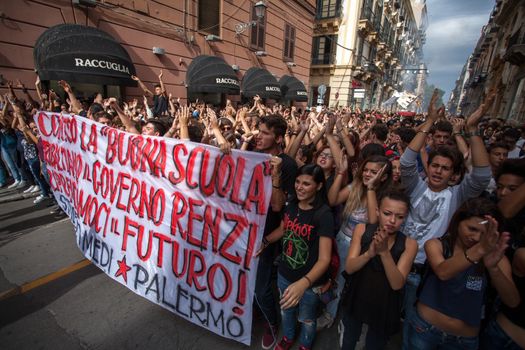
(176, 222)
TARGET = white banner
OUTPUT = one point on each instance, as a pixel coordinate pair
(176, 222)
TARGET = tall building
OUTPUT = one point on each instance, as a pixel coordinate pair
(168, 35)
(364, 50)
(499, 61)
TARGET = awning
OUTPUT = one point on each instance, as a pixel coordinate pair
(78, 53)
(210, 74)
(258, 81)
(293, 89)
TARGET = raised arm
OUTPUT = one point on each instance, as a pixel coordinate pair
(332, 142)
(337, 194)
(161, 83)
(124, 118)
(480, 157)
(345, 137)
(296, 144)
(142, 86)
(75, 103)
(433, 114)
(26, 93)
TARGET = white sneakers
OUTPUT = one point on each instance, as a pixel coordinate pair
(32, 189)
(14, 184)
(39, 199)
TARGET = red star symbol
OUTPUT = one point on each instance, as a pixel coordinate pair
(123, 269)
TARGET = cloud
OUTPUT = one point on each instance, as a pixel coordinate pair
(453, 31)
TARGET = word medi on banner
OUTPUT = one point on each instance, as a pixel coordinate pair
(176, 222)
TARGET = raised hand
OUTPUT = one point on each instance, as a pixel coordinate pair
(474, 119)
(380, 242)
(376, 179)
(491, 259)
(342, 163)
(457, 124)
(490, 238)
(65, 85)
(330, 123)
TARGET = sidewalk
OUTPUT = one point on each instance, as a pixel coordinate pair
(13, 194)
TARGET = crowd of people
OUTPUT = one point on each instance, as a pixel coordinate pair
(402, 224)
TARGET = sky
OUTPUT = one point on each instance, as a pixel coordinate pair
(454, 27)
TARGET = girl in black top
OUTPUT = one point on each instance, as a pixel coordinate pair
(305, 233)
(379, 258)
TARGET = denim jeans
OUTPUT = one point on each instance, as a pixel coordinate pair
(424, 336)
(3, 174)
(34, 166)
(343, 244)
(411, 285)
(352, 333)
(9, 157)
(305, 312)
(264, 297)
(494, 337)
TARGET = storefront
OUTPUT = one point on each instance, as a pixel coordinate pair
(86, 57)
(211, 79)
(258, 81)
(292, 89)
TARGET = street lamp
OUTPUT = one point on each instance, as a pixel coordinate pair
(260, 12)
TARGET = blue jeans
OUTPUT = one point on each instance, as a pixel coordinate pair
(9, 157)
(409, 301)
(424, 336)
(343, 244)
(3, 175)
(305, 312)
(494, 337)
(34, 166)
(263, 285)
(352, 333)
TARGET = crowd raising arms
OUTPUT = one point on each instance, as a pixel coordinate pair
(352, 176)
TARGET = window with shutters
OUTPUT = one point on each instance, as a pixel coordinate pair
(323, 49)
(289, 43)
(209, 16)
(258, 31)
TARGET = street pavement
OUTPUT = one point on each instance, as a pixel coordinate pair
(57, 301)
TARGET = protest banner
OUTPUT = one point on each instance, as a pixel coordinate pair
(176, 222)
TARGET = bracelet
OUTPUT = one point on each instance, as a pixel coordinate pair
(469, 259)
(276, 186)
(475, 133)
(309, 281)
(457, 133)
(424, 131)
(265, 242)
(370, 189)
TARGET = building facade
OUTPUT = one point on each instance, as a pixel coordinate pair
(177, 31)
(498, 61)
(363, 50)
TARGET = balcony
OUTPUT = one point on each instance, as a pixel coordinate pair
(323, 59)
(365, 24)
(329, 15)
(515, 53)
